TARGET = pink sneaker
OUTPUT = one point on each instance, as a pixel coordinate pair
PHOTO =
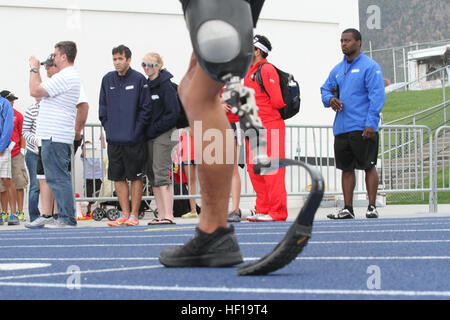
(132, 221)
(119, 222)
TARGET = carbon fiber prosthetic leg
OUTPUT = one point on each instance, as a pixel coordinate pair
(221, 34)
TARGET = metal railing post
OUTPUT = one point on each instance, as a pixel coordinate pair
(433, 201)
(444, 94)
(405, 69)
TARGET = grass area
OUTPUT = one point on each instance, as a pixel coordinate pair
(402, 104)
(417, 198)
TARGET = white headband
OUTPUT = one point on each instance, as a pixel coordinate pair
(261, 46)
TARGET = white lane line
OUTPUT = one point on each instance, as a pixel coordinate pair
(381, 225)
(378, 241)
(56, 246)
(318, 224)
(22, 266)
(383, 231)
(122, 269)
(81, 272)
(246, 259)
(95, 237)
(377, 258)
(83, 259)
(402, 220)
(338, 292)
(147, 236)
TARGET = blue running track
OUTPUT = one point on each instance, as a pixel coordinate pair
(407, 258)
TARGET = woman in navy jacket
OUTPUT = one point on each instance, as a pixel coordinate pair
(160, 135)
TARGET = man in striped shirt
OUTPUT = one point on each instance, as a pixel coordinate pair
(55, 126)
(31, 158)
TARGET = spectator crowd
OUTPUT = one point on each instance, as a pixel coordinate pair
(140, 114)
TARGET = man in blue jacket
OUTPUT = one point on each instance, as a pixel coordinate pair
(6, 128)
(355, 91)
(124, 112)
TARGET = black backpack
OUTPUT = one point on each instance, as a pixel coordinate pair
(290, 91)
(182, 121)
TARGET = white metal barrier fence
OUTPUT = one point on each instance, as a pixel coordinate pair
(406, 164)
(441, 174)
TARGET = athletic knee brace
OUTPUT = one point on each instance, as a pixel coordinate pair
(221, 35)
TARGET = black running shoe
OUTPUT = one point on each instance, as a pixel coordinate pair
(372, 212)
(341, 215)
(219, 249)
(234, 216)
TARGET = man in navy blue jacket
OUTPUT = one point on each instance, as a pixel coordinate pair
(125, 111)
(355, 91)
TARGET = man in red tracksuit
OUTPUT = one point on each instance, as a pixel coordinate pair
(271, 197)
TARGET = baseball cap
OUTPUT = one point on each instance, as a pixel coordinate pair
(8, 95)
(49, 62)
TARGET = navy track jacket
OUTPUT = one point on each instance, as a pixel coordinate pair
(125, 107)
(165, 105)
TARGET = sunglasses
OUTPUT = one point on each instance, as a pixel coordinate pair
(149, 65)
(10, 96)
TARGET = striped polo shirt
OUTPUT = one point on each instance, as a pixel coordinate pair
(29, 127)
(57, 114)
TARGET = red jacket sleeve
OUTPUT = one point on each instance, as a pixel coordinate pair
(271, 82)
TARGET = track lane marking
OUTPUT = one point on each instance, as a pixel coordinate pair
(22, 266)
(108, 245)
(339, 292)
(56, 274)
(65, 237)
(246, 259)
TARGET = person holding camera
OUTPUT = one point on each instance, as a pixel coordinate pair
(56, 126)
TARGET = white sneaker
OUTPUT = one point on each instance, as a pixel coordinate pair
(341, 215)
(57, 224)
(39, 223)
(260, 218)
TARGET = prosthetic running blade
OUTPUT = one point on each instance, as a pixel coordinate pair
(298, 234)
(221, 33)
(243, 104)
